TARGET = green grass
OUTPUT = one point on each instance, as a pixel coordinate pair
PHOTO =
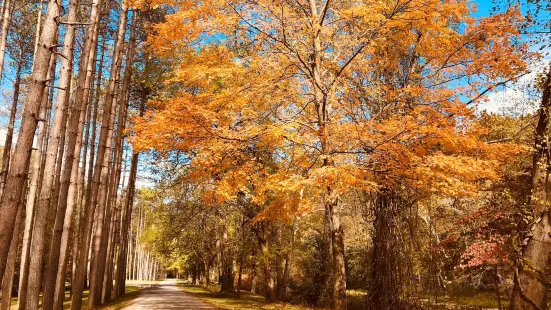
(481, 299)
(247, 301)
(117, 303)
(131, 293)
(470, 299)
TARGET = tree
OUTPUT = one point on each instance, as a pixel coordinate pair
(22, 153)
(343, 96)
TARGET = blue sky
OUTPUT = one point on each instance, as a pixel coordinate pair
(484, 7)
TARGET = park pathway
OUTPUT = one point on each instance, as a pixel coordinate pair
(166, 296)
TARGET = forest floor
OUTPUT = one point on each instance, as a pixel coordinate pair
(248, 301)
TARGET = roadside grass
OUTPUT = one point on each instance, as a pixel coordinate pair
(485, 300)
(356, 300)
(117, 303)
(246, 301)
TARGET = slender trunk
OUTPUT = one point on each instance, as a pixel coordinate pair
(532, 278)
(253, 271)
(107, 286)
(116, 173)
(87, 64)
(59, 290)
(9, 135)
(100, 171)
(102, 232)
(92, 146)
(119, 143)
(7, 280)
(268, 279)
(7, 9)
(323, 110)
(287, 269)
(57, 142)
(337, 242)
(34, 189)
(22, 153)
(41, 219)
(266, 268)
(240, 275)
(38, 30)
(126, 228)
(8, 277)
(279, 290)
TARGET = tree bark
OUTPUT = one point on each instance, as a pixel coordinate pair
(56, 142)
(8, 277)
(22, 153)
(7, 9)
(34, 188)
(337, 243)
(532, 275)
(119, 143)
(6, 154)
(101, 170)
(7, 280)
(86, 65)
(125, 226)
(41, 217)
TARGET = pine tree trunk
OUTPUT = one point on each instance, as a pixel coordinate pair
(22, 153)
(532, 276)
(92, 146)
(41, 217)
(57, 134)
(7, 9)
(119, 148)
(34, 188)
(86, 69)
(101, 169)
(126, 228)
(6, 154)
(7, 280)
(8, 277)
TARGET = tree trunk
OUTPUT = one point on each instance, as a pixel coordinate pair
(10, 269)
(34, 188)
(41, 219)
(57, 142)
(337, 242)
(7, 280)
(82, 207)
(532, 276)
(7, 9)
(22, 153)
(6, 154)
(124, 99)
(253, 271)
(126, 228)
(100, 171)
(87, 64)
(268, 280)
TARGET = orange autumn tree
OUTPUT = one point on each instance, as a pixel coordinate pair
(293, 104)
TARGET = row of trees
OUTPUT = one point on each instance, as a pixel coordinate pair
(294, 122)
(66, 194)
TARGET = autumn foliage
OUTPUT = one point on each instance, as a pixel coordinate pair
(395, 77)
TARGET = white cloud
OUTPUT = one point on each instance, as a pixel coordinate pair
(518, 97)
